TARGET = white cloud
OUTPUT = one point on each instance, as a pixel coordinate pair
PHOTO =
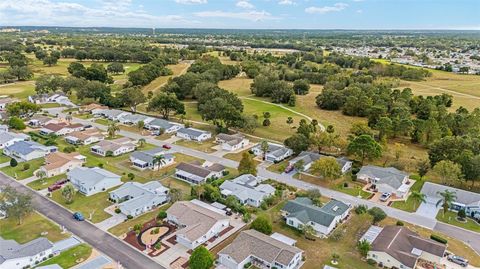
(326, 9)
(359, 11)
(248, 15)
(245, 4)
(191, 2)
(287, 2)
(358, 0)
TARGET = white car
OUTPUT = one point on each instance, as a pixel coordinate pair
(385, 196)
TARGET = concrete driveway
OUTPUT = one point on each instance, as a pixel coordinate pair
(428, 209)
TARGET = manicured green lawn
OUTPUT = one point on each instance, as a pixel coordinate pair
(128, 225)
(410, 205)
(183, 186)
(279, 167)
(19, 172)
(353, 189)
(102, 121)
(205, 146)
(87, 204)
(3, 158)
(451, 218)
(83, 116)
(69, 258)
(31, 228)
(41, 184)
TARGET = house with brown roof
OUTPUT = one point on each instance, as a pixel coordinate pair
(59, 163)
(399, 247)
(262, 251)
(85, 137)
(196, 173)
(88, 108)
(197, 222)
(116, 147)
(61, 128)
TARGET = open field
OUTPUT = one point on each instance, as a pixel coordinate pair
(31, 228)
(156, 84)
(238, 85)
(19, 90)
(69, 258)
(205, 146)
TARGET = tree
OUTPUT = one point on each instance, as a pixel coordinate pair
(175, 195)
(377, 213)
(21, 72)
(166, 104)
(201, 258)
(50, 60)
(247, 164)
(22, 109)
(115, 68)
(360, 128)
(15, 204)
(264, 147)
(16, 123)
(13, 162)
(417, 197)
(299, 167)
(448, 197)
(141, 142)
(112, 129)
(327, 167)
(308, 231)
(364, 247)
(68, 192)
(140, 126)
(461, 215)
(158, 160)
(297, 142)
(384, 126)
(448, 171)
(364, 146)
(262, 224)
(132, 97)
(289, 121)
(301, 86)
(422, 168)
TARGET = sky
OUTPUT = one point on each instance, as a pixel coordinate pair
(245, 14)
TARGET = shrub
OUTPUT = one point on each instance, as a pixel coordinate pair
(247, 265)
(13, 162)
(158, 246)
(100, 165)
(361, 209)
(16, 123)
(345, 184)
(262, 224)
(400, 223)
(69, 149)
(131, 176)
(461, 214)
(162, 214)
(246, 217)
(26, 166)
(129, 217)
(377, 213)
(438, 239)
(372, 262)
(118, 210)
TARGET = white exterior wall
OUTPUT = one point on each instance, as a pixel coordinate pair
(147, 207)
(63, 169)
(103, 185)
(191, 178)
(22, 262)
(385, 259)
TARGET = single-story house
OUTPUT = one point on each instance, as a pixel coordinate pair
(399, 247)
(135, 118)
(275, 152)
(135, 198)
(28, 150)
(195, 173)
(8, 138)
(88, 108)
(59, 163)
(114, 114)
(386, 179)
(90, 181)
(309, 158)
(5, 101)
(197, 222)
(56, 97)
(39, 120)
(148, 159)
(116, 147)
(61, 128)
(261, 250)
(232, 142)
(247, 190)
(302, 211)
(85, 137)
(18, 256)
(466, 200)
(194, 134)
(164, 125)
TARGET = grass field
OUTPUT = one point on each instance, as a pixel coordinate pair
(19, 90)
(205, 146)
(451, 218)
(69, 258)
(32, 227)
(155, 85)
(183, 186)
(240, 86)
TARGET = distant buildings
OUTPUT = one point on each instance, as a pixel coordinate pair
(61, 128)
(309, 158)
(47, 98)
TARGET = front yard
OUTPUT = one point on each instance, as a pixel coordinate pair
(127, 226)
(69, 258)
(41, 184)
(343, 184)
(19, 172)
(410, 205)
(205, 146)
(451, 218)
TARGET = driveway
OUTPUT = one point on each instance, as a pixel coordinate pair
(112, 221)
(428, 209)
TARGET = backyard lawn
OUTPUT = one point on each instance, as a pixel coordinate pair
(41, 184)
(32, 227)
(19, 172)
(69, 258)
(410, 205)
(183, 186)
(451, 218)
(94, 204)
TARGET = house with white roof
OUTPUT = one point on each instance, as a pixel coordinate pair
(134, 198)
(46, 98)
(232, 142)
(247, 189)
(113, 114)
(116, 147)
(275, 152)
(308, 158)
(90, 181)
(8, 138)
(149, 159)
(197, 222)
(28, 150)
(161, 124)
(386, 179)
(302, 211)
(261, 251)
(61, 128)
(39, 120)
(18, 256)
(194, 134)
(85, 137)
(135, 118)
(196, 173)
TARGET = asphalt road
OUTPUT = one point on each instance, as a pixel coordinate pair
(109, 245)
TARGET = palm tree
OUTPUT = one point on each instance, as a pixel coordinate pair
(175, 195)
(417, 197)
(158, 160)
(113, 129)
(200, 191)
(364, 247)
(141, 142)
(41, 175)
(264, 147)
(448, 197)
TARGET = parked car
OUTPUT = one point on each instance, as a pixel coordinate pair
(289, 169)
(78, 216)
(165, 146)
(458, 260)
(61, 182)
(385, 196)
(54, 187)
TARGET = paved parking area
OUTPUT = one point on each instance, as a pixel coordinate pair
(428, 209)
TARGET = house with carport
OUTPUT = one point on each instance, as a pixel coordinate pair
(247, 190)
(386, 180)
(194, 134)
(59, 163)
(196, 173)
(275, 152)
(149, 159)
(231, 142)
(308, 158)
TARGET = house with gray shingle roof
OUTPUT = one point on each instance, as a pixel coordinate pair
(111, 114)
(17, 256)
(28, 150)
(198, 174)
(275, 152)
(135, 198)
(161, 124)
(260, 250)
(302, 211)
(147, 159)
(8, 138)
(90, 181)
(194, 134)
(231, 142)
(309, 158)
(386, 179)
(135, 118)
(249, 192)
